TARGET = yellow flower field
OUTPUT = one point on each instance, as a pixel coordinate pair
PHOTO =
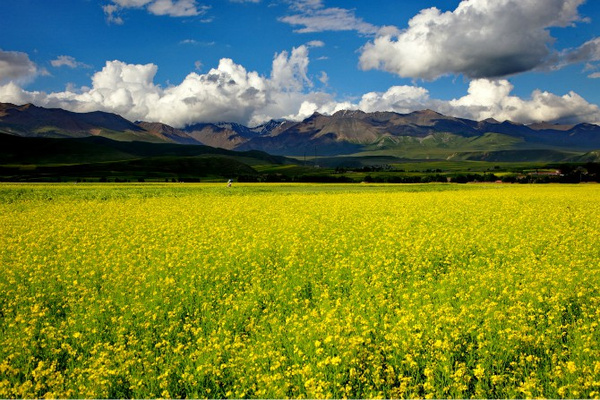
(277, 291)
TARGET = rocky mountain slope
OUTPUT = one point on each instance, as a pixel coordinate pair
(422, 134)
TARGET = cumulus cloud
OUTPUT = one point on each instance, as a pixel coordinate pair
(230, 92)
(289, 73)
(400, 99)
(172, 8)
(318, 102)
(485, 99)
(16, 66)
(492, 99)
(313, 16)
(479, 39)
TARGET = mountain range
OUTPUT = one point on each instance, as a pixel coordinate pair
(418, 135)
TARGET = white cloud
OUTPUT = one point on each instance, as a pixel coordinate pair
(112, 14)
(401, 99)
(179, 8)
(324, 78)
(172, 8)
(312, 16)
(305, 5)
(479, 39)
(486, 99)
(318, 102)
(194, 42)
(68, 61)
(289, 73)
(229, 92)
(587, 52)
(16, 66)
(492, 99)
(315, 43)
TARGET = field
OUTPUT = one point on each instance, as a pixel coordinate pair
(276, 291)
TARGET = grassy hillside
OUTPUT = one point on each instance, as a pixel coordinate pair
(153, 168)
(23, 150)
(493, 147)
(96, 157)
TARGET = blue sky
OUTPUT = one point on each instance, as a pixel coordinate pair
(186, 61)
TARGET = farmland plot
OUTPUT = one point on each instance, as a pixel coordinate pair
(269, 291)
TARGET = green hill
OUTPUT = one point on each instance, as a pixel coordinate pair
(24, 158)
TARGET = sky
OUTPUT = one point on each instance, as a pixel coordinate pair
(182, 62)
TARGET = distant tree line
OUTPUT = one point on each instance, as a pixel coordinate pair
(560, 173)
(567, 173)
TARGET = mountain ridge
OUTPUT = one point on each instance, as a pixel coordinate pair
(419, 134)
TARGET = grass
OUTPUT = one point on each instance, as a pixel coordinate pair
(294, 290)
